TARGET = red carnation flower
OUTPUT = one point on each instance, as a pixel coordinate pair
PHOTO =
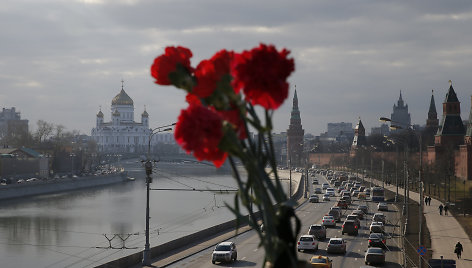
(262, 73)
(167, 63)
(209, 73)
(200, 130)
(233, 117)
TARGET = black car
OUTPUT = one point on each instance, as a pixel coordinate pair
(377, 240)
(350, 227)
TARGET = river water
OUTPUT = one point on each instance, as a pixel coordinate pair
(73, 229)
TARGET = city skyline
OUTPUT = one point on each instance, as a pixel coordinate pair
(61, 61)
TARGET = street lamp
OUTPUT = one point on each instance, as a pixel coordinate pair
(72, 155)
(420, 203)
(148, 168)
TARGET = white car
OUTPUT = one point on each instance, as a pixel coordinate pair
(328, 221)
(330, 191)
(377, 227)
(382, 206)
(307, 242)
(224, 252)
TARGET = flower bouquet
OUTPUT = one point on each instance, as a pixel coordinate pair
(229, 96)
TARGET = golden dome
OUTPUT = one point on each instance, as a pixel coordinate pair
(116, 113)
(122, 99)
(100, 114)
(145, 114)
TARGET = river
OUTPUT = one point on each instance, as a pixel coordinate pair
(73, 229)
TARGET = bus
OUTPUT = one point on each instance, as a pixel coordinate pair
(377, 194)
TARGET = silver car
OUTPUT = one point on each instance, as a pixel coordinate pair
(336, 245)
(224, 252)
(328, 221)
(377, 227)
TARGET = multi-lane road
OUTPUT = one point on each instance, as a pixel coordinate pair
(250, 255)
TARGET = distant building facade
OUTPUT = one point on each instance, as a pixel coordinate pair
(400, 114)
(122, 134)
(11, 123)
(295, 134)
(340, 131)
(382, 130)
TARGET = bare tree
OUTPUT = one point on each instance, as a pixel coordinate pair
(44, 130)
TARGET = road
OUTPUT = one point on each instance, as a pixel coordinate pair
(250, 255)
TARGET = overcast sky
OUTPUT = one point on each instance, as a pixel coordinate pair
(60, 60)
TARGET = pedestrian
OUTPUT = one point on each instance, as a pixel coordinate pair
(446, 208)
(440, 209)
(429, 200)
(458, 249)
(426, 201)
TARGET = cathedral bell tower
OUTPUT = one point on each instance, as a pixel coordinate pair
(295, 135)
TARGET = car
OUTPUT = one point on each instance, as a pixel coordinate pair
(224, 252)
(32, 180)
(364, 208)
(314, 198)
(347, 199)
(330, 191)
(20, 181)
(382, 206)
(374, 256)
(321, 262)
(359, 213)
(336, 245)
(325, 186)
(326, 197)
(377, 240)
(355, 193)
(328, 221)
(342, 204)
(350, 227)
(376, 227)
(307, 242)
(318, 191)
(354, 218)
(315, 181)
(336, 213)
(379, 217)
(361, 189)
(340, 189)
(361, 196)
(317, 230)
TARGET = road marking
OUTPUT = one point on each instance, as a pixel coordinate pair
(243, 258)
(255, 250)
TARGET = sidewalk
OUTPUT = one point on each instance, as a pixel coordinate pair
(445, 231)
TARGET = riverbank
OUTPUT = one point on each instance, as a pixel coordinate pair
(23, 190)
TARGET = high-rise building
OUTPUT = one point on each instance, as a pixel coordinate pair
(11, 123)
(295, 134)
(400, 115)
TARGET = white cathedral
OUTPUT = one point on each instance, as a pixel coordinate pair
(123, 134)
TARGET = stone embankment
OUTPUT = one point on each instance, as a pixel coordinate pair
(27, 189)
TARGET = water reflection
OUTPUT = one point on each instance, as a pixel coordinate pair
(64, 230)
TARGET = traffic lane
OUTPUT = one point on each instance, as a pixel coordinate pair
(249, 254)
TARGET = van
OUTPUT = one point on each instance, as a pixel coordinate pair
(336, 214)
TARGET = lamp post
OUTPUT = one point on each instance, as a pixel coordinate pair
(420, 182)
(148, 168)
(72, 155)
